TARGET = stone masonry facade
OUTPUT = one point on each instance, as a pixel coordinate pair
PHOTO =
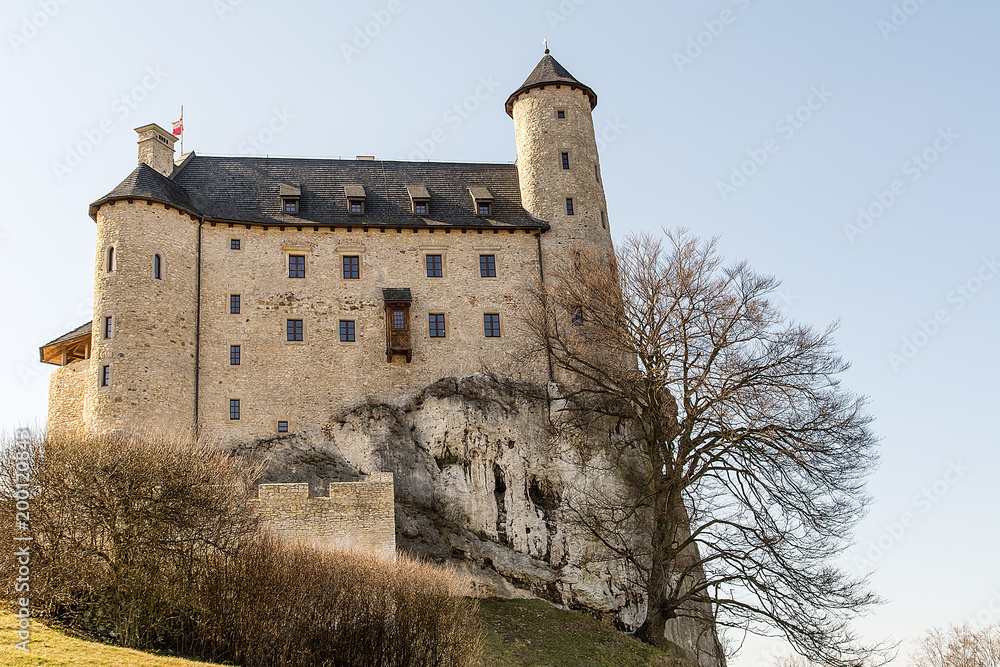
(353, 515)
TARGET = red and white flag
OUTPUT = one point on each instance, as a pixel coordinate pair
(178, 126)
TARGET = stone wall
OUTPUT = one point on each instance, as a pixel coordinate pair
(152, 349)
(302, 383)
(352, 515)
(67, 398)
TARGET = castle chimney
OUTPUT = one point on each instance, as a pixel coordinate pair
(156, 148)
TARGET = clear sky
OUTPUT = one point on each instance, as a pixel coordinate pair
(772, 123)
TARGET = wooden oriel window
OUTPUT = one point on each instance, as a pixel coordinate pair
(398, 331)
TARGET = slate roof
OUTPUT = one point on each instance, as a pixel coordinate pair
(148, 184)
(548, 72)
(79, 332)
(246, 190)
(396, 294)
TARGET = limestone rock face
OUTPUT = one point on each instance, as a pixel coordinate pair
(481, 482)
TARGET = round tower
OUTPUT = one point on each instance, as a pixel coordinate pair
(557, 160)
(145, 299)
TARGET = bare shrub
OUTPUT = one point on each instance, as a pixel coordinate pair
(154, 542)
(959, 646)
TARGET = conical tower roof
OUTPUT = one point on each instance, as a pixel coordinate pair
(550, 72)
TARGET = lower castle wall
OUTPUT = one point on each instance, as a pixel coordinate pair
(353, 515)
(67, 396)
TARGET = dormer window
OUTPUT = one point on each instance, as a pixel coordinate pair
(420, 198)
(355, 199)
(484, 201)
(290, 195)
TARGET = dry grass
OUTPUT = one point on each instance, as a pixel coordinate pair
(51, 648)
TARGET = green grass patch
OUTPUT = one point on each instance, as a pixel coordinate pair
(523, 633)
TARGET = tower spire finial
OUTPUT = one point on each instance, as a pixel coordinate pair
(545, 43)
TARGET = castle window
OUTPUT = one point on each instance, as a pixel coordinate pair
(436, 325)
(105, 377)
(569, 206)
(282, 427)
(110, 261)
(108, 326)
(293, 330)
(289, 195)
(398, 320)
(296, 266)
(435, 266)
(604, 220)
(235, 244)
(565, 160)
(347, 331)
(561, 114)
(420, 198)
(158, 266)
(355, 199)
(352, 267)
(234, 355)
(488, 266)
(234, 304)
(578, 316)
(483, 199)
(597, 173)
(234, 409)
(491, 325)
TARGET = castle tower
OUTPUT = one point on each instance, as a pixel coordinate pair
(146, 284)
(557, 160)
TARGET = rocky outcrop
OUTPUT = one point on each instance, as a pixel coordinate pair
(481, 481)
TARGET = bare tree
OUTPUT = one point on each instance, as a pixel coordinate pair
(740, 460)
(959, 646)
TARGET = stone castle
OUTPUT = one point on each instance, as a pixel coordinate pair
(333, 317)
(242, 297)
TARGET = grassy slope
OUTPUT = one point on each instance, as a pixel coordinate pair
(54, 649)
(519, 633)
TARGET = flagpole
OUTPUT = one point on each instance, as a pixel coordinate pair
(182, 130)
